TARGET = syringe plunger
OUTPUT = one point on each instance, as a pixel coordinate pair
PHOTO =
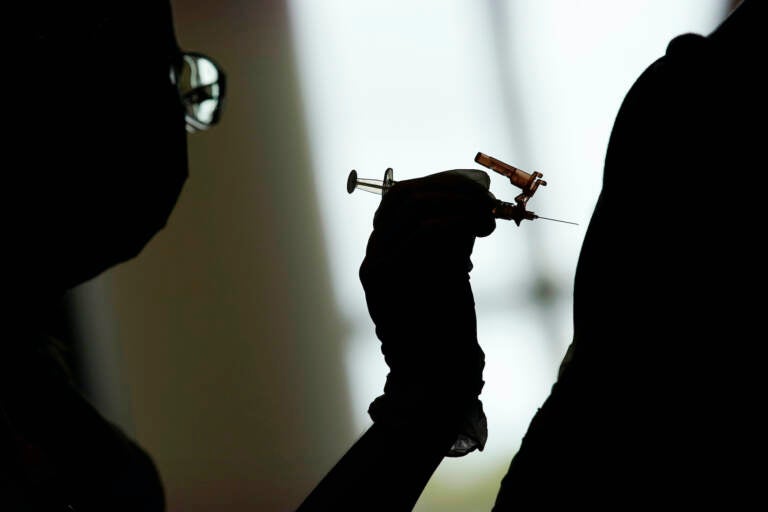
(370, 185)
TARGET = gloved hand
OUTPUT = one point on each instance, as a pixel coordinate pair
(416, 279)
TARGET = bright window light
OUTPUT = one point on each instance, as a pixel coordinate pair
(422, 87)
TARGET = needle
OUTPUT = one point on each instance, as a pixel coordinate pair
(558, 220)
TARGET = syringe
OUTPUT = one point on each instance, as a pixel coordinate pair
(501, 209)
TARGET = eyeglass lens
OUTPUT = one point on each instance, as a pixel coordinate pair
(201, 86)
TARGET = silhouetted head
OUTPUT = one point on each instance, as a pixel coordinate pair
(99, 136)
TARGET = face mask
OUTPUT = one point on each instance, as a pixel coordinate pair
(99, 141)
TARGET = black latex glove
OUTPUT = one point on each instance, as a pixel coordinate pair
(416, 279)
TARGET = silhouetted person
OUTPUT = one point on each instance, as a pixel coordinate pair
(658, 401)
(102, 100)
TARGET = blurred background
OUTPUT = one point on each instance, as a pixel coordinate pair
(237, 348)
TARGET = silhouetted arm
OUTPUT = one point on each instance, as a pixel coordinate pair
(416, 279)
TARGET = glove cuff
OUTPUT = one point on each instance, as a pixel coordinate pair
(465, 417)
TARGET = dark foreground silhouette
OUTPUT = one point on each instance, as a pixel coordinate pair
(99, 156)
(658, 399)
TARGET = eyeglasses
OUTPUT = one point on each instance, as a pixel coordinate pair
(202, 87)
